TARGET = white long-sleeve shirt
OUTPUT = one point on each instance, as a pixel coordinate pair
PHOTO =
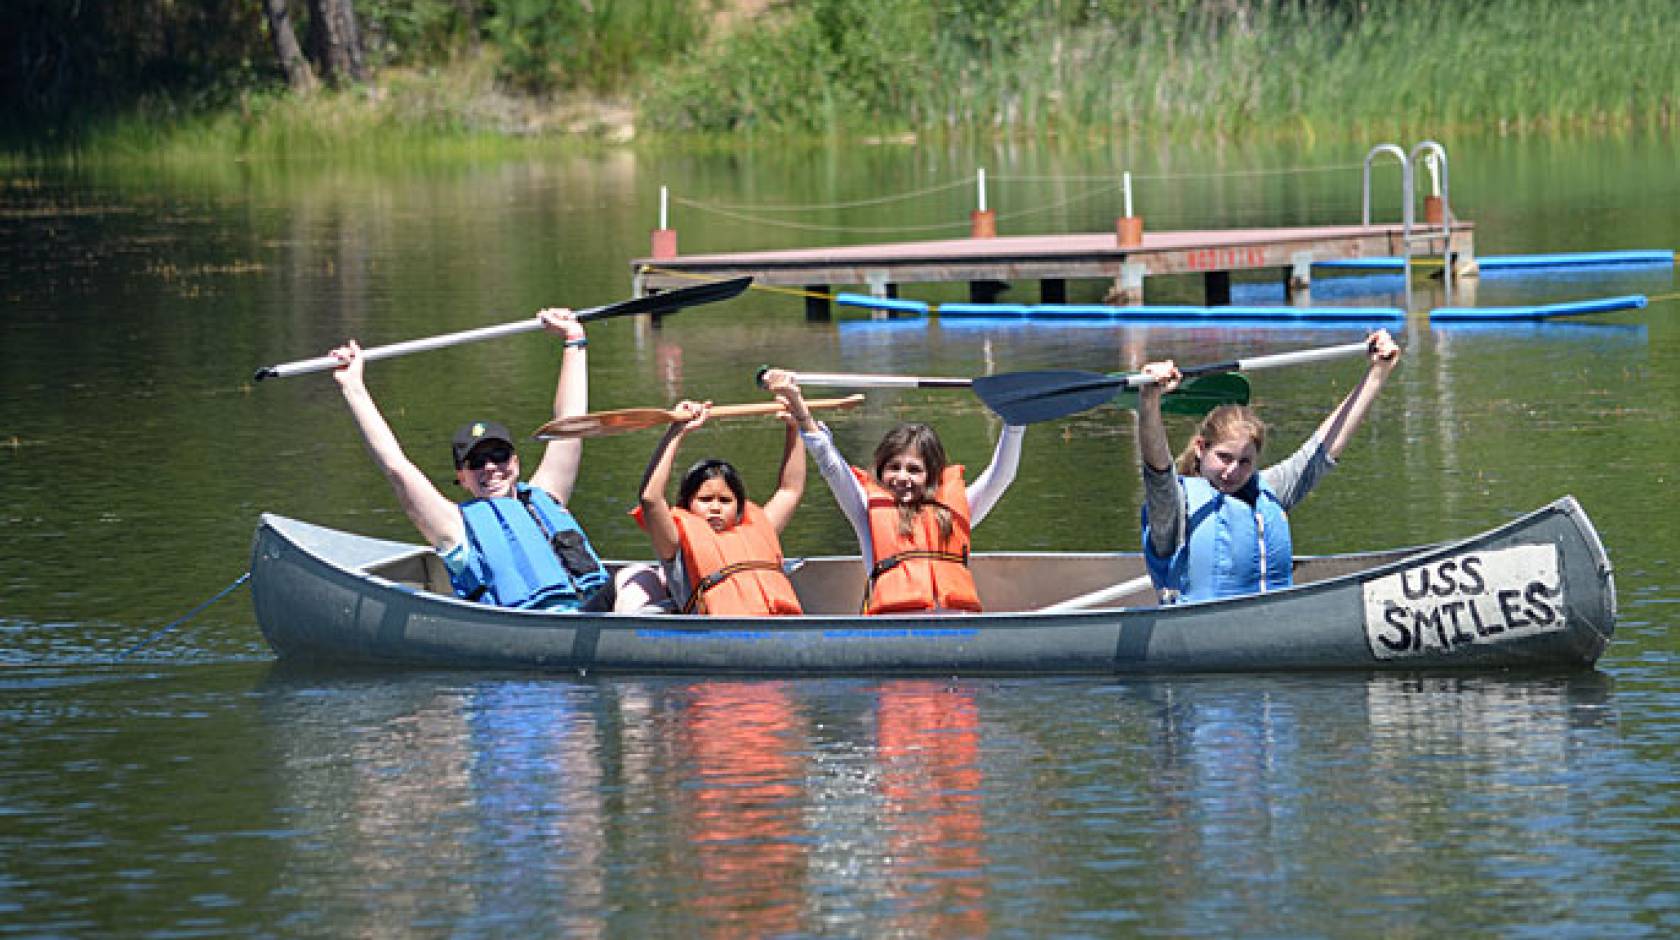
(983, 493)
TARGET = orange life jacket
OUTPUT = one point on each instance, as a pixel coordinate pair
(736, 572)
(918, 572)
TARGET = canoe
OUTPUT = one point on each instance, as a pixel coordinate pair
(1535, 592)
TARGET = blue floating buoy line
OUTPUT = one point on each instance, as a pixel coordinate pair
(1284, 315)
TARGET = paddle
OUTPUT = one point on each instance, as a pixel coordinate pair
(1027, 397)
(1195, 397)
(599, 423)
(668, 302)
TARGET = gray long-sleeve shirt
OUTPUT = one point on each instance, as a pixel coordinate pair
(1164, 496)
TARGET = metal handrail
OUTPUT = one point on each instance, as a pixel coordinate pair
(1405, 182)
(1430, 148)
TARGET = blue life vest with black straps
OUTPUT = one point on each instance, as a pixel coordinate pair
(527, 552)
(1231, 547)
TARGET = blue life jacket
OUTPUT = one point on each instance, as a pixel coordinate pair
(1230, 546)
(527, 552)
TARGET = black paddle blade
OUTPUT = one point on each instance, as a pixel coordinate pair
(1198, 396)
(670, 301)
(1030, 397)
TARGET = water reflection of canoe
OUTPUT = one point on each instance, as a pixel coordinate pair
(1534, 592)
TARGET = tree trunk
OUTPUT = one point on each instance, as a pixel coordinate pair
(336, 42)
(299, 76)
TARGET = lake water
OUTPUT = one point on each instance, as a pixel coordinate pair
(194, 786)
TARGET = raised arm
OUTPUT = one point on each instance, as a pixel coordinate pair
(790, 483)
(1339, 427)
(656, 512)
(434, 514)
(836, 472)
(990, 485)
(1151, 429)
(558, 472)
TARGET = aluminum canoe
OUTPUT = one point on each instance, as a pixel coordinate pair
(1536, 592)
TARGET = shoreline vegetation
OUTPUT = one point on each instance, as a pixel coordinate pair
(477, 78)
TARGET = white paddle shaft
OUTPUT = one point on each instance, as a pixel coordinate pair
(861, 380)
(1256, 363)
(325, 363)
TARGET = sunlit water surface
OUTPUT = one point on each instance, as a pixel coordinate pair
(194, 786)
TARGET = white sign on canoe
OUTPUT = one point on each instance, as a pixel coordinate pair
(1473, 599)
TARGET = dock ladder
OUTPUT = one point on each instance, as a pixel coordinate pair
(1413, 234)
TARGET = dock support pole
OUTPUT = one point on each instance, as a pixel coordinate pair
(1128, 287)
(1217, 286)
(816, 303)
(1297, 280)
(1052, 290)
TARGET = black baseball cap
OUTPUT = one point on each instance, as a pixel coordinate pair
(474, 433)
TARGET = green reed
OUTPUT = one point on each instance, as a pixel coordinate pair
(1263, 66)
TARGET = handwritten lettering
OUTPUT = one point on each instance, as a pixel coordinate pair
(1472, 599)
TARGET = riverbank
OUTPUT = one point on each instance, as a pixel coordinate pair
(883, 70)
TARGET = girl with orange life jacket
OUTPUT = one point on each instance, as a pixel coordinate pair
(912, 512)
(720, 552)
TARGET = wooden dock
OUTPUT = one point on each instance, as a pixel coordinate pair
(992, 265)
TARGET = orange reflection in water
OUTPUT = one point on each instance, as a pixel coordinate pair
(929, 742)
(747, 807)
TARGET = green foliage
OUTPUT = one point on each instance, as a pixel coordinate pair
(1223, 67)
(599, 44)
(1219, 66)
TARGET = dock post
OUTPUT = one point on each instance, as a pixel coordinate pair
(816, 303)
(1129, 227)
(1297, 280)
(1052, 290)
(1128, 287)
(982, 222)
(664, 237)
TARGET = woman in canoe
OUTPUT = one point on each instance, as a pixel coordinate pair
(1215, 527)
(513, 544)
(911, 510)
(720, 552)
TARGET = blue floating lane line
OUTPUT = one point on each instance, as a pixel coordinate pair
(1497, 262)
(1541, 311)
(985, 311)
(894, 304)
(1200, 315)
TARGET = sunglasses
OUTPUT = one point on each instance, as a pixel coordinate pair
(478, 458)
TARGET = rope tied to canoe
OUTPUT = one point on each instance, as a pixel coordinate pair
(185, 617)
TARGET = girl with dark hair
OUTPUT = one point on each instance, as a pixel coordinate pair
(1214, 524)
(912, 511)
(720, 552)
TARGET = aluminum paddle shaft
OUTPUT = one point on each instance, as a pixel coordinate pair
(668, 302)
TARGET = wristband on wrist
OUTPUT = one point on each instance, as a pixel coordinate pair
(579, 343)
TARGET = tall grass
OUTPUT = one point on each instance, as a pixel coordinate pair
(1227, 68)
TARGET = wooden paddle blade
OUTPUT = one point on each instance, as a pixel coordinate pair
(1198, 396)
(1030, 397)
(598, 423)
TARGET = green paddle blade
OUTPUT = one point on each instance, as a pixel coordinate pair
(1198, 396)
